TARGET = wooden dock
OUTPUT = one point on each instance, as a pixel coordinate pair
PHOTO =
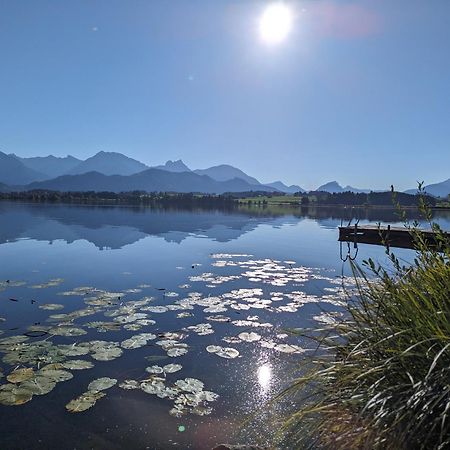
(386, 235)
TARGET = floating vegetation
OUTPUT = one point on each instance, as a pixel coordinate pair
(84, 401)
(139, 340)
(172, 346)
(13, 395)
(184, 315)
(103, 327)
(171, 294)
(64, 330)
(154, 369)
(172, 368)
(209, 277)
(77, 364)
(101, 384)
(218, 318)
(51, 306)
(288, 348)
(24, 383)
(105, 351)
(11, 283)
(328, 318)
(19, 375)
(156, 309)
(223, 352)
(231, 340)
(38, 365)
(130, 384)
(202, 329)
(250, 337)
(187, 394)
(52, 283)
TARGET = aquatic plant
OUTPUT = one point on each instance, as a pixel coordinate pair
(380, 378)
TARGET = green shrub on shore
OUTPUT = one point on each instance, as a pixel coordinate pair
(382, 379)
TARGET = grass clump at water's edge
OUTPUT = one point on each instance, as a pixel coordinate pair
(382, 379)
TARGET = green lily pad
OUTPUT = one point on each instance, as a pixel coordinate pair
(101, 384)
(55, 374)
(19, 375)
(130, 384)
(190, 385)
(172, 368)
(154, 369)
(39, 385)
(13, 395)
(77, 364)
(67, 331)
(249, 337)
(51, 306)
(84, 401)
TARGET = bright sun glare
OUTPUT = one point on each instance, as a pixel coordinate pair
(264, 376)
(275, 23)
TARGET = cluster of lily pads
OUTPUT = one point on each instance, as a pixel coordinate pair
(38, 362)
(187, 394)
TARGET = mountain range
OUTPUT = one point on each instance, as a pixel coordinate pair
(437, 189)
(335, 187)
(110, 171)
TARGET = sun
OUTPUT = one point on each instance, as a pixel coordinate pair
(275, 23)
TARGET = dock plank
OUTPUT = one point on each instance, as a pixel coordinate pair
(385, 235)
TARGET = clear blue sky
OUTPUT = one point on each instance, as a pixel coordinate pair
(358, 92)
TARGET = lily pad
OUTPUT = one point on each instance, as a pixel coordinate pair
(250, 337)
(51, 306)
(101, 384)
(137, 341)
(67, 331)
(39, 385)
(55, 374)
(176, 351)
(19, 375)
(190, 385)
(12, 395)
(172, 368)
(130, 384)
(154, 369)
(84, 401)
(153, 386)
(223, 352)
(77, 364)
(213, 348)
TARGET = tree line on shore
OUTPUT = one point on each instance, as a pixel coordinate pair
(224, 200)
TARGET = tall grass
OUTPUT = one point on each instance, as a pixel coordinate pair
(382, 380)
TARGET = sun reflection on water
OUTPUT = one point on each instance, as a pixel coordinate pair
(265, 376)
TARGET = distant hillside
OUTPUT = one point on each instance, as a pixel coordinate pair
(284, 188)
(174, 166)
(4, 188)
(441, 189)
(13, 171)
(331, 187)
(336, 188)
(372, 199)
(226, 172)
(109, 163)
(51, 166)
(150, 180)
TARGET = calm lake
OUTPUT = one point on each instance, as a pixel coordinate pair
(180, 316)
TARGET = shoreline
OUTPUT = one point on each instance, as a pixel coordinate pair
(234, 205)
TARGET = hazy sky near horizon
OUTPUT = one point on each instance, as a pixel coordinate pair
(359, 92)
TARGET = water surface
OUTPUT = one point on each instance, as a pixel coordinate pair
(257, 272)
